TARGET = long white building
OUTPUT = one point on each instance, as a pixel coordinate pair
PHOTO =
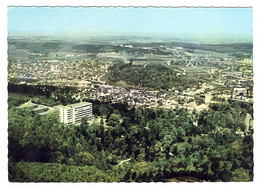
(72, 114)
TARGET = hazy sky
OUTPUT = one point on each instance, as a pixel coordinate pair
(222, 23)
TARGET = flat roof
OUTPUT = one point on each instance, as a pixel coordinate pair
(40, 108)
(46, 112)
(75, 105)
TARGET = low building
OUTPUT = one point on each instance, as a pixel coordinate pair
(239, 91)
(72, 114)
(37, 108)
(40, 109)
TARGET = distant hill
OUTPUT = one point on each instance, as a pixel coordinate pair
(155, 76)
(234, 49)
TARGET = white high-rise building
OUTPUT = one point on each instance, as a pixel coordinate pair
(72, 114)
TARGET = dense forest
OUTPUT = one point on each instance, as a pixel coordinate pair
(153, 76)
(129, 144)
(40, 94)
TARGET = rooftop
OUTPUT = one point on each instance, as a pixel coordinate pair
(76, 105)
(40, 107)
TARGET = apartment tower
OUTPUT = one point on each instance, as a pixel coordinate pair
(72, 114)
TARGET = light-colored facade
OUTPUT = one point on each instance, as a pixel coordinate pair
(72, 114)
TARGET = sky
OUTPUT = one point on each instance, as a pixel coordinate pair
(216, 23)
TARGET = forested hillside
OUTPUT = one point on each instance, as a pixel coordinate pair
(131, 144)
(153, 76)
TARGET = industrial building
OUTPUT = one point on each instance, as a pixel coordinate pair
(72, 114)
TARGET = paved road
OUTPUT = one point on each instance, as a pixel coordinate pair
(123, 161)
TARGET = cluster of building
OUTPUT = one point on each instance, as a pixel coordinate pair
(58, 72)
(148, 98)
(69, 114)
(216, 70)
(242, 94)
(222, 77)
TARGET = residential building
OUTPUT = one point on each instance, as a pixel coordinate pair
(72, 114)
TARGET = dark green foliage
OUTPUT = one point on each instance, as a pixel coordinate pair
(113, 120)
(141, 145)
(53, 172)
(46, 95)
(153, 76)
(15, 99)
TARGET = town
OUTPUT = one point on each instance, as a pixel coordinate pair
(130, 94)
(129, 109)
(221, 76)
